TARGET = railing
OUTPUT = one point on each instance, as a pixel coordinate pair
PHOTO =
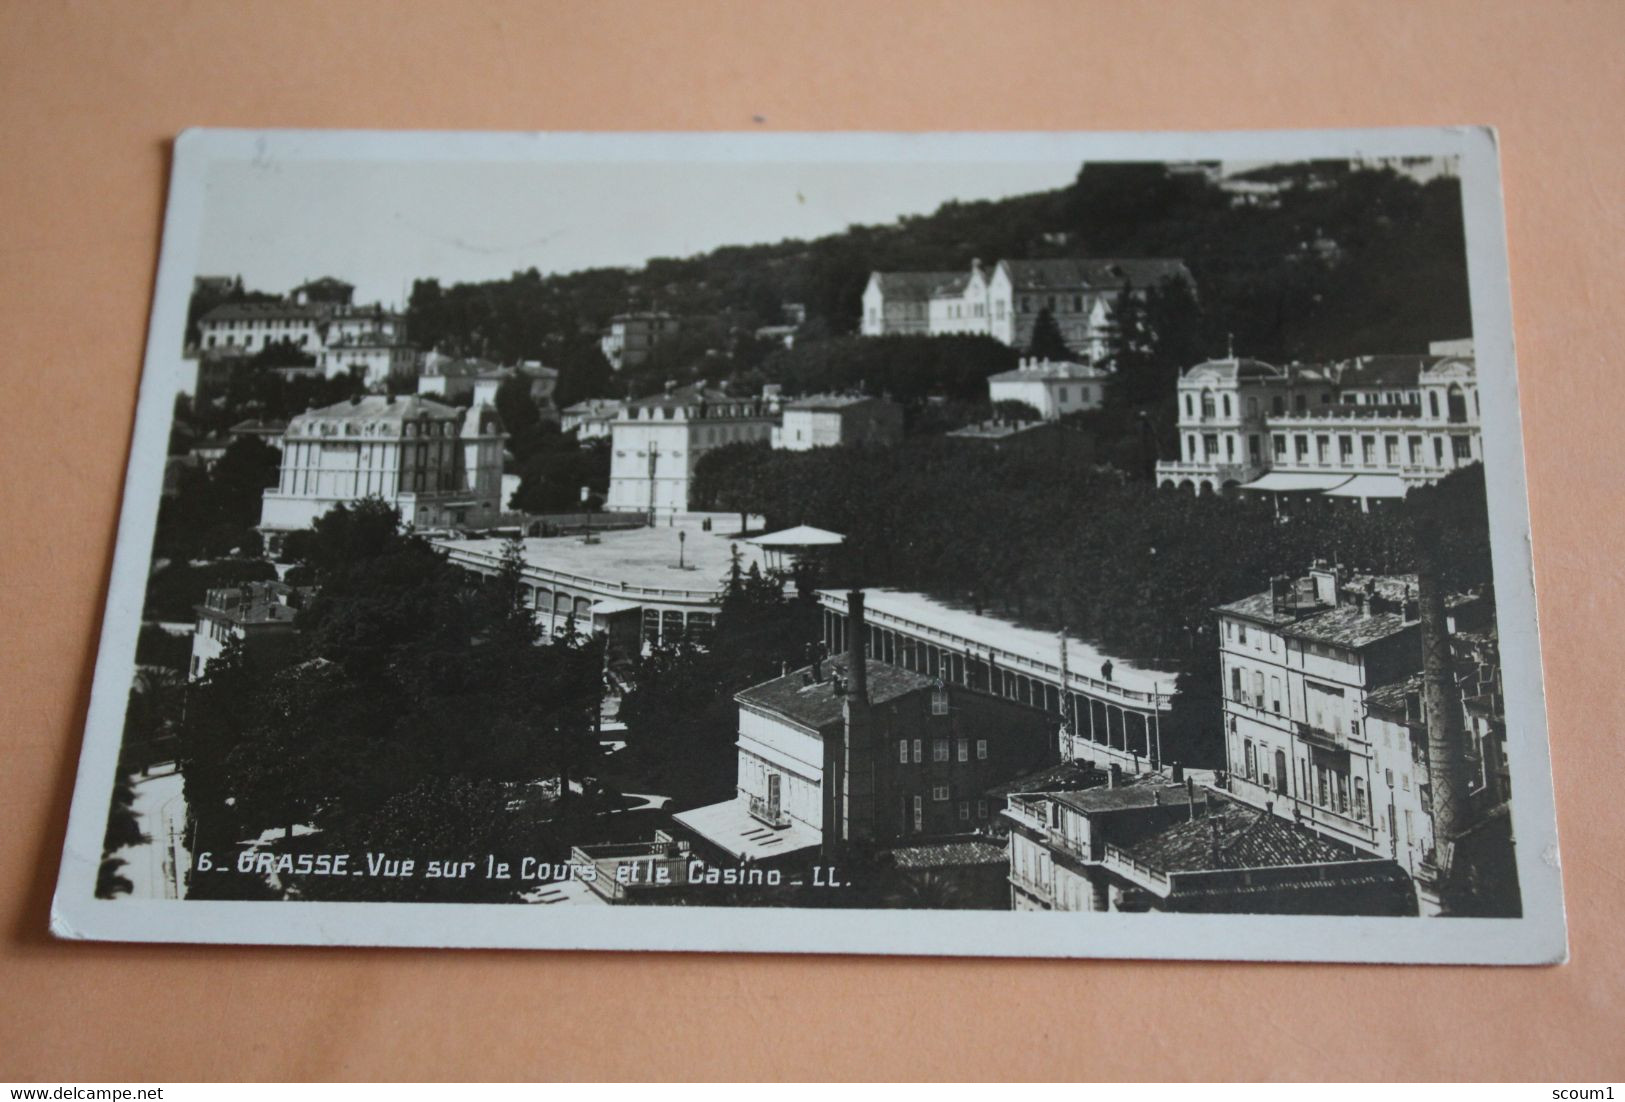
(1126, 865)
(1259, 795)
(1158, 702)
(1332, 740)
(765, 812)
(1028, 812)
(1069, 845)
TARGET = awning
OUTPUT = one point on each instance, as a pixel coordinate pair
(1370, 486)
(611, 606)
(731, 826)
(802, 535)
(1288, 482)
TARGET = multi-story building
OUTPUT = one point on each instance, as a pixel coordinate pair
(1366, 429)
(855, 752)
(657, 441)
(251, 326)
(960, 305)
(1156, 846)
(440, 466)
(259, 615)
(372, 323)
(452, 379)
(1323, 711)
(592, 418)
(1111, 710)
(630, 338)
(829, 420)
(1079, 294)
(377, 362)
(325, 291)
(899, 303)
(1052, 387)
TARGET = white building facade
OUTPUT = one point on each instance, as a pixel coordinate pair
(830, 420)
(440, 466)
(656, 442)
(1366, 430)
(1052, 387)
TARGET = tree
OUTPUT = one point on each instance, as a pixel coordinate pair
(1009, 409)
(123, 830)
(1047, 342)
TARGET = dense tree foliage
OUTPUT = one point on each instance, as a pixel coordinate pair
(681, 717)
(1339, 262)
(1032, 533)
(214, 512)
(422, 710)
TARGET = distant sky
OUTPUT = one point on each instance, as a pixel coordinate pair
(380, 225)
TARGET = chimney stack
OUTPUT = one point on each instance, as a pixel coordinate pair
(857, 773)
(1447, 735)
(1115, 776)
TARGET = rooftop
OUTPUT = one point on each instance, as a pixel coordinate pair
(817, 705)
(638, 557)
(830, 401)
(1068, 776)
(1381, 371)
(250, 311)
(984, 630)
(950, 854)
(376, 408)
(1058, 370)
(1231, 835)
(913, 284)
(1102, 274)
(1092, 801)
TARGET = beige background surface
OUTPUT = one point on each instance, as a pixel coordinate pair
(89, 94)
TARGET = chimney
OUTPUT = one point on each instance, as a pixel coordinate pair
(857, 766)
(1115, 777)
(1447, 735)
(1280, 593)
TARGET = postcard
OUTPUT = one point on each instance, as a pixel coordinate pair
(1030, 544)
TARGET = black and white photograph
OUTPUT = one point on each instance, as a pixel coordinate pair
(1024, 544)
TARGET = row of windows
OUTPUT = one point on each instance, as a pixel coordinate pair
(939, 750)
(915, 806)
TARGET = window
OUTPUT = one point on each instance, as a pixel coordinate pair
(939, 749)
(1438, 451)
(919, 751)
(1461, 447)
(1236, 690)
(964, 749)
(1241, 630)
(1190, 407)
(1227, 405)
(1258, 689)
(1345, 448)
(1415, 444)
(1210, 446)
(1063, 393)
(981, 749)
(1252, 407)
(1251, 759)
(1300, 445)
(1368, 450)
(919, 814)
(1280, 446)
(1275, 695)
(939, 793)
(964, 809)
(1300, 402)
(1359, 799)
(981, 809)
(1390, 447)
(1207, 404)
(902, 751)
(1277, 405)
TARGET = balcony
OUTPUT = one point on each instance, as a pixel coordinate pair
(1319, 736)
(1133, 870)
(771, 814)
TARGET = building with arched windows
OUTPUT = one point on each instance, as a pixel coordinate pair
(441, 466)
(1363, 430)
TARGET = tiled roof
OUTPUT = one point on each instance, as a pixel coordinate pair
(689, 395)
(1102, 274)
(374, 407)
(1348, 626)
(1381, 371)
(918, 285)
(955, 854)
(818, 705)
(1390, 698)
(1240, 368)
(248, 311)
(1066, 777)
(1245, 838)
